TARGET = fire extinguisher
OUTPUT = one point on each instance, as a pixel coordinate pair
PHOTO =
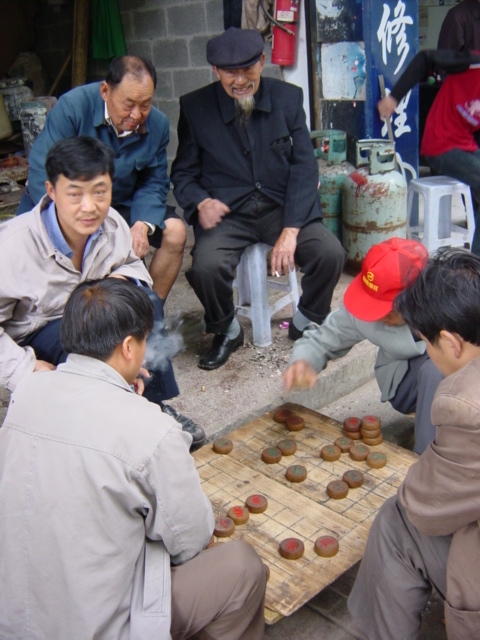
(285, 32)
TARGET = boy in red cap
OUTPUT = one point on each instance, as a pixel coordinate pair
(406, 376)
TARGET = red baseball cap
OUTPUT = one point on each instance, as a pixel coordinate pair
(387, 269)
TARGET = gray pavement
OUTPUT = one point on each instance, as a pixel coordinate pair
(249, 385)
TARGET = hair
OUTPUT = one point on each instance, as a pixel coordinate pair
(79, 158)
(135, 66)
(445, 296)
(100, 314)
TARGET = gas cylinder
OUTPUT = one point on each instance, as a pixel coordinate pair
(374, 200)
(333, 168)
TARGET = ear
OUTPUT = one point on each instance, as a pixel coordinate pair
(454, 342)
(126, 348)
(50, 190)
(104, 88)
(215, 71)
(262, 62)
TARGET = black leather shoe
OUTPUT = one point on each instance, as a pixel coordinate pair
(295, 334)
(219, 352)
(188, 425)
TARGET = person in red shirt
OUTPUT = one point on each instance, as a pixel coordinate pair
(449, 143)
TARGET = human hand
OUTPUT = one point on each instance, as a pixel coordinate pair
(386, 106)
(140, 242)
(42, 365)
(139, 382)
(283, 252)
(299, 375)
(211, 212)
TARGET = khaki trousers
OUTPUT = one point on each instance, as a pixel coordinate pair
(219, 594)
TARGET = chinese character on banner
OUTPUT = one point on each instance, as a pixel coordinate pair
(391, 41)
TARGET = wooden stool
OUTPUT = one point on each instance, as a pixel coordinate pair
(252, 283)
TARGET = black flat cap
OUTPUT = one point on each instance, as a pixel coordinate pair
(235, 48)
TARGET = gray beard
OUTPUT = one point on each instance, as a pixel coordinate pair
(244, 108)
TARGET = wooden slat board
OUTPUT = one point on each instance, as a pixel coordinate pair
(301, 510)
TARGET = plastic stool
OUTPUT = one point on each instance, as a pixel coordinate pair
(252, 283)
(437, 229)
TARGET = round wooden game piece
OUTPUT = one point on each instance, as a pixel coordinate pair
(224, 527)
(271, 455)
(291, 548)
(256, 503)
(370, 434)
(222, 445)
(344, 443)
(337, 489)
(353, 478)
(287, 446)
(373, 442)
(371, 423)
(281, 414)
(326, 546)
(296, 473)
(239, 514)
(359, 452)
(295, 423)
(330, 452)
(354, 435)
(376, 460)
(352, 424)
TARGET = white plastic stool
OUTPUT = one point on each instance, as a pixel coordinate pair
(437, 229)
(252, 285)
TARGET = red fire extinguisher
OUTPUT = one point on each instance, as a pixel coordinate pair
(285, 32)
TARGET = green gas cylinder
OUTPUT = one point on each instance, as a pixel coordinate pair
(374, 200)
(331, 154)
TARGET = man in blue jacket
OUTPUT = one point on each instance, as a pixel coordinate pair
(119, 112)
(245, 172)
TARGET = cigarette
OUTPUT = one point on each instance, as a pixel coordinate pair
(277, 275)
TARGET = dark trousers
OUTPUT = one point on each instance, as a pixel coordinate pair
(217, 252)
(162, 384)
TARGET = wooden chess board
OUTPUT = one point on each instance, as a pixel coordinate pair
(301, 510)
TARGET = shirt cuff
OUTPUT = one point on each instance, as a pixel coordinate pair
(151, 227)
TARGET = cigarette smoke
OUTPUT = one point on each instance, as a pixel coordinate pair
(163, 346)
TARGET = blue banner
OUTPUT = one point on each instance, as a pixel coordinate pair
(390, 32)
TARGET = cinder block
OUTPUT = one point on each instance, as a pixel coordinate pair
(186, 19)
(164, 90)
(189, 80)
(149, 24)
(198, 50)
(141, 48)
(126, 5)
(171, 109)
(170, 54)
(127, 22)
(214, 10)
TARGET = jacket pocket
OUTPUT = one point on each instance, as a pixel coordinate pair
(461, 624)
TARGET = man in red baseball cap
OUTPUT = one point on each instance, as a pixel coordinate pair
(406, 376)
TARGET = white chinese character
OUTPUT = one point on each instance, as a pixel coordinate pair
(396, 27)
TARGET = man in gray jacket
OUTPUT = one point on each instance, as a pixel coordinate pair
(71, 236)
(105, 526)
(406, 376)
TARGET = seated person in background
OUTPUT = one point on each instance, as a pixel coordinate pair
(104, 524)
(72, 235)
(448, 145)
(428, 535)
(119, 112)
(245, 172)
(405, 374)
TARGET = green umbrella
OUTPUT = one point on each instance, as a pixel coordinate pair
(107, 30)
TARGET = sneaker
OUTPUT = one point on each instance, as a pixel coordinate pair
(188, 425)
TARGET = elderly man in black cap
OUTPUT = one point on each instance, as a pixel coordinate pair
(245, 172)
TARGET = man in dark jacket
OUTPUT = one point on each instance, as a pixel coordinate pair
(245, 172)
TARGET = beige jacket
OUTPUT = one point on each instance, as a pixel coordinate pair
(441, 494)
(98, 496)
(36, 280)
